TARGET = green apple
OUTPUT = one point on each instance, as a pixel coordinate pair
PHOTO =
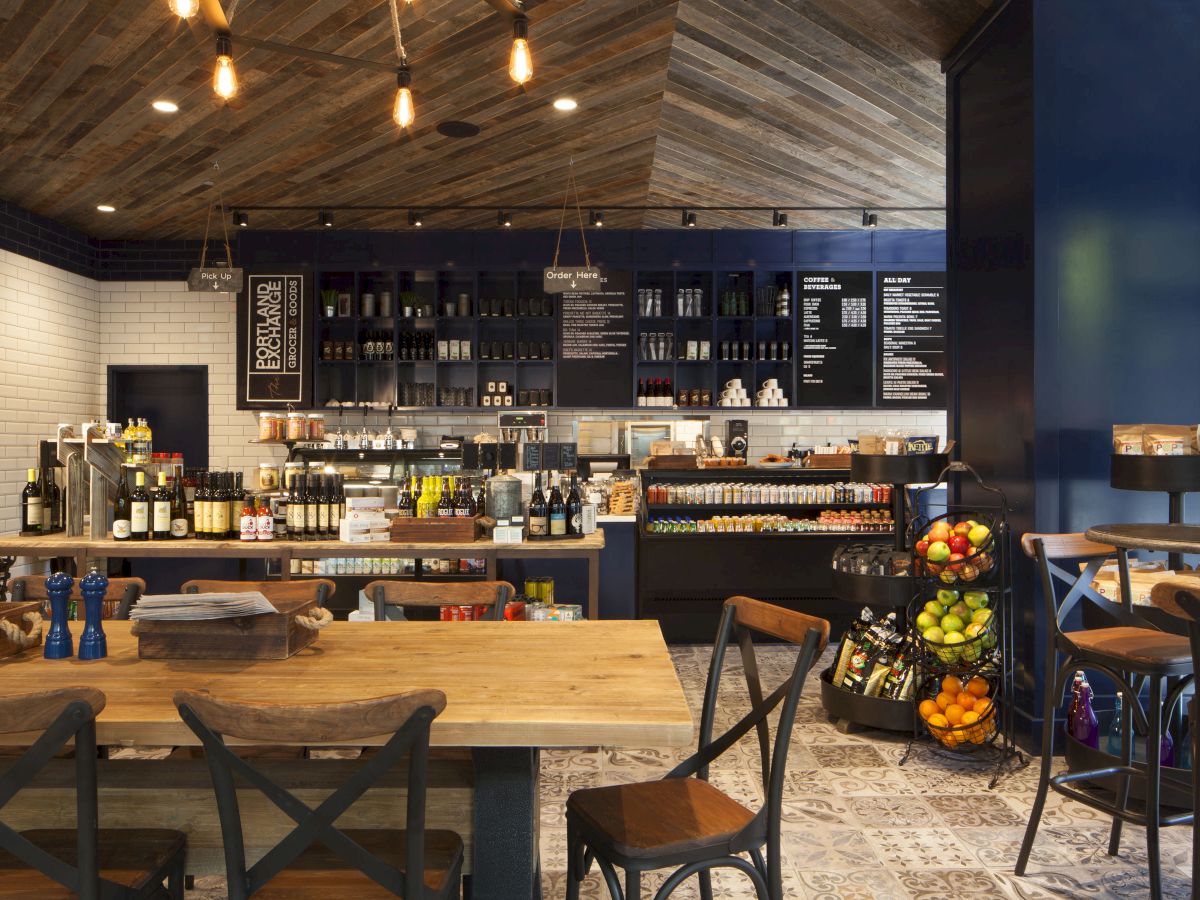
(979, 535)
(988, 640)
(947, 597)
(939, 552)
(955, 637)
(934, 635)
(975, 599)
(974, 630)
(925, 621)
(981, 616)
(951, 622)
(935, 609)
(961, 610)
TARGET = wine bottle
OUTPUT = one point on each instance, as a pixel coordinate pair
(481, 501)
(31, 503)
(121, 510)
(574, 508)
(404, 503)
(324, 501)
(47, 509)
(539, 517)
(54, 493)
(139, 510)
(295, 509)
(641, 392)
(311, 505)
(160, 511)
(335, 507)
(219, 500)
(558, 512)
(462, 499)
(201, 517)
(236, 503)
(668, 398)
(179, 518)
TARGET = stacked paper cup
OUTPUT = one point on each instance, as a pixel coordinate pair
(771, 394)
(734, 394)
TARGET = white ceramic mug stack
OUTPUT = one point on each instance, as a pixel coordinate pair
(771, 394)
(734, 394)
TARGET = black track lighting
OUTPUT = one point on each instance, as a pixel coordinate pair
(689, 219)
(596, 218)
(778, 219)
(415, 219)
(504, 220)
(869, 219)
(241, 220)
(325, 218)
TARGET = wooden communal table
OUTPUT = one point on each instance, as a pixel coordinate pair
(512, 688)
(587, 548)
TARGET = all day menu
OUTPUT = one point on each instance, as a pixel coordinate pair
(595, 337)
(912, 339)
(836, 339)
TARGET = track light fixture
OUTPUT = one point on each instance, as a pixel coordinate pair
(596, 218)
(414, 219)
(778, 219)
(689, 219)
(504, 220)
(225, 80)
(325, 218)
(402, 110)
(241, 219)
(870, 220)
(520, 62)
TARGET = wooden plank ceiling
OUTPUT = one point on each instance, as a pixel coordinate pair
(681, 102)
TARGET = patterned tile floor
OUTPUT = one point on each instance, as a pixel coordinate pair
(858, 825)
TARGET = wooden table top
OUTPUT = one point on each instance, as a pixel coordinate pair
(61, 545)
(508, 684)
(1142, 536)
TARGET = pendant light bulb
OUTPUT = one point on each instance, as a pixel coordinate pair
(520, 63)
(185, 9)
(402, 111)
(225, 81)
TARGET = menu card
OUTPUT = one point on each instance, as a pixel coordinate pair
(836, 338)
(912, 340)
(595, 339)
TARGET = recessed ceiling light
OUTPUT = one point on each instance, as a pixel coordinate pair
(104, 207)
(565, 104)
(165, 106)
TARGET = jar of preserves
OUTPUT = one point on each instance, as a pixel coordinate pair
(316, 426)
(268, 476)
(297, 427)
(266, 426)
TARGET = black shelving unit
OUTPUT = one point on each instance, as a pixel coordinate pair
(1175, 476)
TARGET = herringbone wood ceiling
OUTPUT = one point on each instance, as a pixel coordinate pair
(681, 102)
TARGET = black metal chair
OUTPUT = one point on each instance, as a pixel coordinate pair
(1133, 654)
(87, 861)
(683, 822)
(316, 859)
(120, 597)
(495, 594)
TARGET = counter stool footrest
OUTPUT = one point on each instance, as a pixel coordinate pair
(1132, 816)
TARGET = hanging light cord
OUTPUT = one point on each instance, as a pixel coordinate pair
(400, 53)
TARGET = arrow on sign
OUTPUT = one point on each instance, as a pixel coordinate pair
(572, 282)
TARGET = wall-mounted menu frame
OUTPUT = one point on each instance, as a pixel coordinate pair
(912, 353)
(595, 344)
(837, 338)
(274, 349)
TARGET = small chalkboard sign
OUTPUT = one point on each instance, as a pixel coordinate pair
(531, 458)
(568, 457)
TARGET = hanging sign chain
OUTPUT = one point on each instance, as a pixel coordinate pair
(571, 186)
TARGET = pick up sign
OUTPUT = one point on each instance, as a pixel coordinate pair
(215, 279)
(578, 280)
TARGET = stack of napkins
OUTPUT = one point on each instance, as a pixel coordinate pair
(169, 607)
(364, 526)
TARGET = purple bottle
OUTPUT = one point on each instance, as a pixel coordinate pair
(1085, 727)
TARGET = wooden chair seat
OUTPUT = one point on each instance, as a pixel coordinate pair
(660, 819)
(1142, 650)
(320, 873)
(133, 857)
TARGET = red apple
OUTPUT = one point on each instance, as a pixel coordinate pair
(963, 528)
(922, 547)
(959, 544)
(955, 562)
(940, 532)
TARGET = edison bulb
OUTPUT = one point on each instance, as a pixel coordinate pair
(520, 64)
(403, 111)
(185, 9)
(225, 82)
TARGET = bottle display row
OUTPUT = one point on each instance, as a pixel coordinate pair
(142, 515)
(41, 503)
(448, 496)
(829, 521)
(556, 516)
(732, 493)
(379, 345)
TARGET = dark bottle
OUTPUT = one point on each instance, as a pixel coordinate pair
(445, 507)
(139, 510)
(295, 510)
(558, 512)
(47, 508)
(200, 515)
(237, 502)
(160, 510)
(341, 499)
(641, 392)
(415, 501)
(574, 508)
(668, 394)
(539, 515)
(481, 501)
(31, 503)
(311, 504)
(179, 517)
(218, 499)
(335, 506)
(1085, 727)
(56, 502)
(463, 502)
(324, 500)
(404, 503)
(122, 525)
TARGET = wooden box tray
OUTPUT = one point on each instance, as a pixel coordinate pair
(827, 461)
(450, 530)
(246, 637)
(14, 614)
(672, 461)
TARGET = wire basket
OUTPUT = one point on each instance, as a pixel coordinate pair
(963, 736)
(966, 653)
(973, 566)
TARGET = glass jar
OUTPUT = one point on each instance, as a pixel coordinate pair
(268, 476)
(266, 426)
(316, 426)
(291, 471)
(297, 429)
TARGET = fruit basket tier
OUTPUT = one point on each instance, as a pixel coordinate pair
(873, 590)
(957, 549)
(961, 714)
(880, 469)
(873, 712)
(956, 629)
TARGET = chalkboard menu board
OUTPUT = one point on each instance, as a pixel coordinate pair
(836, 339)
(912, 339)
(595, 339)
(274, 351)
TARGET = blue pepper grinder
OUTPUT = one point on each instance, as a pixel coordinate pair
(93, 644)
(57, 644)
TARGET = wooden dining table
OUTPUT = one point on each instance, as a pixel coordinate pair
(512, 689)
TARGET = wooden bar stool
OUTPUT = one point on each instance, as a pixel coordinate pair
(684, 822)
(122, 593)
(88, 861)
(1132, 653)
(322, 588)
(316, 859)
(495, 594)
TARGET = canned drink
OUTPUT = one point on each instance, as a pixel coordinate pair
(531, 588)
(547, 591)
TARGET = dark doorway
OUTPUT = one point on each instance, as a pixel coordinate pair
(174, 401)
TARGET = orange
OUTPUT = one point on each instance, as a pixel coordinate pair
(928, 708)
(944, 699)
(970, 717)
(983, 706)
(939, 721)
(978, 686)
(951, 684)
(954, 714)
(965, 700)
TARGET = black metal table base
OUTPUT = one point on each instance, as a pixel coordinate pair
(506, 863)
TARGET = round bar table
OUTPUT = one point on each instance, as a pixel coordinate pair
(1142, 536)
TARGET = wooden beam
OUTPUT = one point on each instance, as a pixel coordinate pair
(214, 15)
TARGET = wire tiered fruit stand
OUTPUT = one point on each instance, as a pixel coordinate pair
(963, 686)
